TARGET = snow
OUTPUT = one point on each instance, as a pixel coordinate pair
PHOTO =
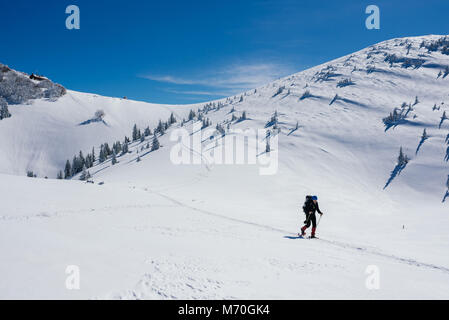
(155, 230)
(46, 134)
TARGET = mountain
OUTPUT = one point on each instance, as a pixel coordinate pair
(351, 131)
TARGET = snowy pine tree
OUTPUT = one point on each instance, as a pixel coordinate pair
(402, 158)
(102, 156)
(125, 147)
(4, 112)
(134, 133)
(160, 127)
(84, 175)
(191, 115)
(114, 158)
(155, 145)
(68, 170)
(107, 150)
(424, 135)
(172, 119)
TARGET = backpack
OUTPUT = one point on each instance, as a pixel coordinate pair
(306, 206)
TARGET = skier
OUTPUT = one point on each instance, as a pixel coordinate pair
(310, 207)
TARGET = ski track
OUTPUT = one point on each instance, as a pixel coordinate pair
(178, 203)
(340, 244)
(66, 213)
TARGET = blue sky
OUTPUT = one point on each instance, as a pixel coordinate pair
(193, 51)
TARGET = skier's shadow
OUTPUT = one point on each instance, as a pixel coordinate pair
(292, 237)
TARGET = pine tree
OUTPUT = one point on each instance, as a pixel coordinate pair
(155, 145)
(107, 150)
(147, 132)
(267, 147)
(172, 119)
(402, 159)
(416, 101)
(424, 135)
(102, 156)
(93, 155)
(443, 117)
(124, 148)
(84, 174)
(138, 159)
(191, 115)
(74, 166)
(67, 170)
(88, 161)
(135, 132)
(114, 158)
(60, 175)
(4, 112)
(160, 127)
(81, 160)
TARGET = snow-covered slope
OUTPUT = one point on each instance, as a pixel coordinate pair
(42, 135)
(159, 230)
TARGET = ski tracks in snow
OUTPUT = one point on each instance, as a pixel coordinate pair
(408, 261)
(344, 245)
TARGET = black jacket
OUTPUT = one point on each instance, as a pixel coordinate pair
(310, 206)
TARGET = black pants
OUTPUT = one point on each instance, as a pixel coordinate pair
(311, 219)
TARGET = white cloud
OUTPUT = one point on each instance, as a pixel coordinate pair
(169, 79)
(229, 80)
(196, 93)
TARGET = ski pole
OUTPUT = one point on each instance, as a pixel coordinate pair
(319, 221)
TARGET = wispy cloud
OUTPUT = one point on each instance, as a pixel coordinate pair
(169, 79)
(196, 93)
(226, 81)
